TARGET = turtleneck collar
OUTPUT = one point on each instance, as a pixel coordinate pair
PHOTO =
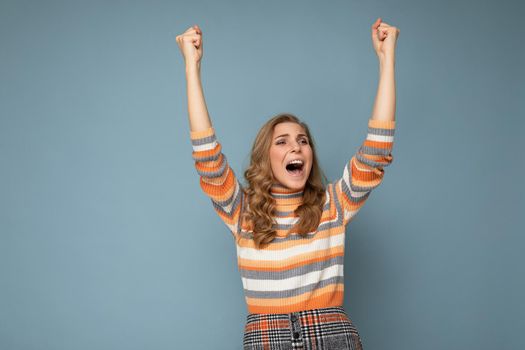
(286, 199)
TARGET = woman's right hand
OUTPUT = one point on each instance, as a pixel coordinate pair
(190, 44)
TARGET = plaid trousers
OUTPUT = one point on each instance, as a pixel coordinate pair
(317, 329)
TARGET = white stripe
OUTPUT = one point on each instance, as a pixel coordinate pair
(356, 194)
(277, 255)
(229, 207)
(346, 178)
(327, 195)
(205, 147)
(293, 282)
(350, 214)
(356, 163)
(361, 168)
(380, 138)
(286, 221)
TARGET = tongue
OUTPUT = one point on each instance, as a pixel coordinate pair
(295, 171)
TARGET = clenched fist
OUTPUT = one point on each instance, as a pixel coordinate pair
(190, 44)
(384, 38)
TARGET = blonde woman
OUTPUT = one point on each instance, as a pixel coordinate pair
(288, 223)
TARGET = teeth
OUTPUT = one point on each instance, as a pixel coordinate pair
(295, 161)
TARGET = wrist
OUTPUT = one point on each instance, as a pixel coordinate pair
(192, 67)
(387, 59)
(386, 62)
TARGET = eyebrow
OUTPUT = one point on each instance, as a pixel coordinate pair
(289, 135)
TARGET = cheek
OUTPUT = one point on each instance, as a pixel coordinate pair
(310, 155)
(274, 158)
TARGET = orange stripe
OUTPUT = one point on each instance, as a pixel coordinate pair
(249, 243)
(200, 134)
(298, 260)
(365, 176)
(381, 124)
(378, 144)
(330, 298)
(221, 190)
(325, 292)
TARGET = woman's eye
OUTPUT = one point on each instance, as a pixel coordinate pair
(303, 141)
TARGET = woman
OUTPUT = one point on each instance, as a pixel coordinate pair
(288, 224)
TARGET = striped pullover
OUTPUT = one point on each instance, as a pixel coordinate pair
(293, 273)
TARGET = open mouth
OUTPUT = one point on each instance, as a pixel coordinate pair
(295, 167)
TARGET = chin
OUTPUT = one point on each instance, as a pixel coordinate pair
(294, 185)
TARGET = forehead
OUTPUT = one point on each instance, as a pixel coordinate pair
(288, 128)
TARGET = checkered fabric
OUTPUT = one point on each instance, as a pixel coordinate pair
(316, 329)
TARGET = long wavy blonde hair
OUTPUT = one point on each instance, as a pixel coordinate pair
(259, 176)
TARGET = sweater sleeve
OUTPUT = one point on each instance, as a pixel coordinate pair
(217, 179)
(364, 171)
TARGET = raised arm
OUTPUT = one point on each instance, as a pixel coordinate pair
(190, 44)
(364, 171)
(217, 179)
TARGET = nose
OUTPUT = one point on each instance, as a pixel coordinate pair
(296, 146)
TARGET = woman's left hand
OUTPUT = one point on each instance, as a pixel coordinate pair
(384, 38)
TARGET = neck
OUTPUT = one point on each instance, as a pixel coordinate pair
(286, 199)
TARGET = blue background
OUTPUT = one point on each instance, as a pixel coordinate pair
(107, 241)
